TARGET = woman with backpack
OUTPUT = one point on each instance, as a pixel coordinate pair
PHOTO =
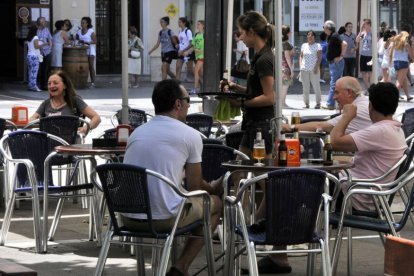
(169, 45)
(185, 53)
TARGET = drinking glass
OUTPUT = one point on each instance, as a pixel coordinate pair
(259, 151)
(295, 119)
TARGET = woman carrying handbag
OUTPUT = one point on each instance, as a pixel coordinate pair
(135, 47)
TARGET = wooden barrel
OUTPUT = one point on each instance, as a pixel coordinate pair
(75, 63)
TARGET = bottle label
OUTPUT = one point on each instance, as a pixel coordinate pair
(282, 156)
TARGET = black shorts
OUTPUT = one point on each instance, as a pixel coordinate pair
(363, 60)
(190, 57)
(168, 57)
(250, 129)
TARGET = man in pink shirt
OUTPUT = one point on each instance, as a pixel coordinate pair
(378, 147)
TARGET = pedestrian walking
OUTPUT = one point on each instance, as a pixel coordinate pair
(185, 38)
(364, 39)
(400, 52)
(198, 45)
(135, 48)
(324, 61)
(169, 45)
(351, 46)
(385, 63)
(309, 60)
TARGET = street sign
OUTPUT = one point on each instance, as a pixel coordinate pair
(171, 10)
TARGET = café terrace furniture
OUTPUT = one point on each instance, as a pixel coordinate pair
(294, 198)
(89, 152)
(385, 224)
(233, 139)
(136, 117)
(30, 154)
(201, 122)
(125, 188)
(5, 125)
(407, 122)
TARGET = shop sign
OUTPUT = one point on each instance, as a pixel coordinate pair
(311, 15)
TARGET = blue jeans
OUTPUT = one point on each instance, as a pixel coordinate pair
(335, 70)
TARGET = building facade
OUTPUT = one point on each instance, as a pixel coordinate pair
(145, 14)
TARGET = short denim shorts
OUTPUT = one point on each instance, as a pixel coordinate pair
(399, 64)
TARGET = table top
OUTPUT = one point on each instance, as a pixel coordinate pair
(87, 149)
(269, 165)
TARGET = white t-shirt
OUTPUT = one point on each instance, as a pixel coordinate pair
(241, 47)
(185, 36)
(87, 37)
(163, 145)
(380, 146)
(31, 50)
(362, 119)
(310, 56)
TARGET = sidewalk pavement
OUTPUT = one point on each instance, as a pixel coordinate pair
(72, 254)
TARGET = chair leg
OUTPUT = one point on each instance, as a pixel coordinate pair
(7, 218)
(103, 254)
(56, 218)
(155, 258)
(41, 244)
(254, 270)
(311, 261)
(139, 257)
(337, 249)
(349, 234)
(208, 244)
(165, 256)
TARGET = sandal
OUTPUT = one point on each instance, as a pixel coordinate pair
(409, 99)
(267, 266)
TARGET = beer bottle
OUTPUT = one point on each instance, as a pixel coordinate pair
(225, 85)
(282, 151)
(327, 151)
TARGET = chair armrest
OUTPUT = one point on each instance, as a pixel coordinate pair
(33, 124)
(114, 120)
(387, 173)
(10, 125)
(88, 126)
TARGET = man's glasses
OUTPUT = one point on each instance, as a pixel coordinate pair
(185, 98)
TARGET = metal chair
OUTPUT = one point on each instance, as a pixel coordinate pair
(383, 223)
(233, 139)
(136, 117)
(5, 125)
(30, 153)
(294, 198)
(125, 189)
(201, 122)
(407, 122)
(212, 157)
(65, 127)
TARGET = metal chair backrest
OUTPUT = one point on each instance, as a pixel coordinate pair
(233, 139)
(201, 122)
(109, 133)
(293, 200)
(31, 145)
(136, 117)
(212, 157)
(407, 122)
(2, 126)
(64, 126)
(125, 189)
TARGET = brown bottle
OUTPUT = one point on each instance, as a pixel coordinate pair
(327, 151)
(225, 85)
(282, 151)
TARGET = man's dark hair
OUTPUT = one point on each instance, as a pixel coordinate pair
(384, 97)
(166, 19)
(164, 95)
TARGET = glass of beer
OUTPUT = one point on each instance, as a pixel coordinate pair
(259, 151)
(295, 119)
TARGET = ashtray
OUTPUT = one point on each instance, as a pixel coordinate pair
(104, 143)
